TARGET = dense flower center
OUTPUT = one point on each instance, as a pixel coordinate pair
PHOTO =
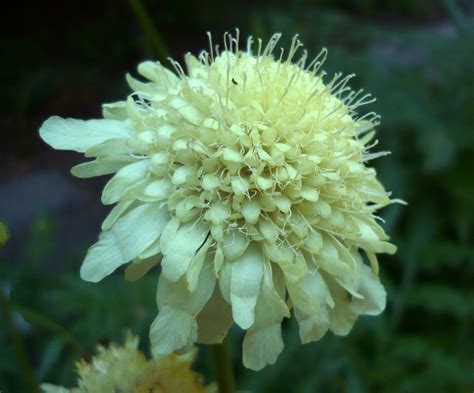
(260, 146)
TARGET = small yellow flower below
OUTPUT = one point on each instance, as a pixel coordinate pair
(123, 368)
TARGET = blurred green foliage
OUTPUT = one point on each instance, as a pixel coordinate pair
(422, 75)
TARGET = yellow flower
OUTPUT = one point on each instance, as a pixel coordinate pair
(246, 177)
(123, 368)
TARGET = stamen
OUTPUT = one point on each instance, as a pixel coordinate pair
(271, 44)
(249, 44)
(318, 61)
(295, 45)
(209, 36)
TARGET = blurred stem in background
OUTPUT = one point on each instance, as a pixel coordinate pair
(157, 42)
(456, 15)
(38, 319)
(4, 234)
(18, 345)
(223, 367)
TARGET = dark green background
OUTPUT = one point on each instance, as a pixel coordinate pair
(416, 57)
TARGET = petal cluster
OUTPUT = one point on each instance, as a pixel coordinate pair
(123, 368)
(246, 178)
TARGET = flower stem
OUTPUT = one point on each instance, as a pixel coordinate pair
(18, 345)
(156, 40)
(223, 367)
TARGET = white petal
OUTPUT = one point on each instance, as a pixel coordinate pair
(245, 281)
(209, 182)
(371, 240)
(294, 267)
(100, 167)
(181, 174)
(80, 135)
(310, 194)
(115, 213)
(195, 266)
(283, 203)
(182, 248)
(139, 86)
(171, 330)
(234, 245)
(176, 294)
(342, 316)
(314, 326)
(263, 341)
(268, 230)
(169, 233)
(175, 327)
(251, 211)
(153, 249)
(139, 267)
(373, 292)
(309, 294)
(113, 147)
(115, 110)
(225, 275)
(129, 236)
(218, 213)
(218, 259)
(125, 178)
(329, 259)
(231, 155)
(159, 189)
(49, 388)
(262, 347)
(214, 320)
(157, 73)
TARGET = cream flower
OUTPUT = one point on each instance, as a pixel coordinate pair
(246, 177)
(123, 368)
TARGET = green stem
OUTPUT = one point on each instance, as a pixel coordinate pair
(223, 367)
(40, 320)
(157, 42)
(18, 345)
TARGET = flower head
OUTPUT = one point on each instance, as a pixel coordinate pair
(246, 176)
(123, 368)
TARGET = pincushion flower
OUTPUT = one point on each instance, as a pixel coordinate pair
(123, 368)
(246, 178)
